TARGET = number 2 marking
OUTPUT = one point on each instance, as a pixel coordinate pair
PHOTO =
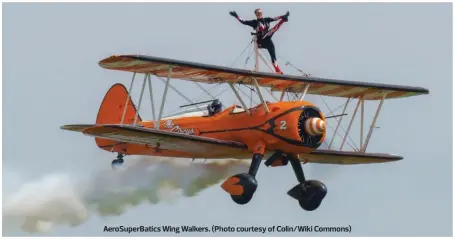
(283, 125)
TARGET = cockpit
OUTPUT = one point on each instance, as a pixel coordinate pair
(214, 108)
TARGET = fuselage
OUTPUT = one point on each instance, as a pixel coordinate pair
(282, 128)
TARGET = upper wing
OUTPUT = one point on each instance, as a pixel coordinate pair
(166, 140)
(342, 157)
(218, 74)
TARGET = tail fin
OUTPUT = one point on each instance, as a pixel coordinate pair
(111, 111)
(113, 106)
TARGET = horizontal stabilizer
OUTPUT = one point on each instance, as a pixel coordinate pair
(77, 127)
(344, 157)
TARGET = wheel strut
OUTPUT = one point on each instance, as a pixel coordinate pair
(309, 193)
(255, 163)
(297, 167)
(117, 162)
(120, 157)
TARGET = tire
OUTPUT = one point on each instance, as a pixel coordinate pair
(315, 192)
(249, 185)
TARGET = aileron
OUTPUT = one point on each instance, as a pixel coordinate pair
(345, 157)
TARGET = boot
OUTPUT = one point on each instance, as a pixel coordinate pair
(277, 69)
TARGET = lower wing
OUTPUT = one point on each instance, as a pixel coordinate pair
(343, 157)
(209, 147)
(164, 139)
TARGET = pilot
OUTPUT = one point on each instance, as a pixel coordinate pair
(214, 108)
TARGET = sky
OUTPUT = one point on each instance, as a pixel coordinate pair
(51, 78)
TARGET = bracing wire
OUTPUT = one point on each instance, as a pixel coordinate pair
(325, 103)
(207, 91)
(240, 89)
(331, 112)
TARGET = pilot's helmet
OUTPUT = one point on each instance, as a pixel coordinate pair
(215, 107)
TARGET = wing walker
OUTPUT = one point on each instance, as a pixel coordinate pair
(276, 133)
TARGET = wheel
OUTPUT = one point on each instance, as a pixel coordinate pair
(242, 199)
(313, 194)
(241, 187)
(116, 163)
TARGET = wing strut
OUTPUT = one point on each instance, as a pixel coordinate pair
(350, 123)
(127, 98)
(283, 93)
(151, 96)
(373, 124)
(304, 92)
(239, 98)
(140, 99)
(339, 122)
(260, 94)
(362, 113)
(163, 100)
(360, 102)
(147, 79)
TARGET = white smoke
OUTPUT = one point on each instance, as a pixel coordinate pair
(63, 199)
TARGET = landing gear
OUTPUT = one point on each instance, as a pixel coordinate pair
(309, 193)
(242, 186)
(117, 162)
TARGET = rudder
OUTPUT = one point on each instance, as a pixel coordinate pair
(111, 112)
(112, 107)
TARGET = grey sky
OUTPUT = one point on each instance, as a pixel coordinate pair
(51, 78)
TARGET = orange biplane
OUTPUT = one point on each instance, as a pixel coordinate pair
(276, 132)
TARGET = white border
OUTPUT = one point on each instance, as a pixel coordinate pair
(268, 1)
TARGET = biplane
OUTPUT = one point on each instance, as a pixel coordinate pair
(276, 133)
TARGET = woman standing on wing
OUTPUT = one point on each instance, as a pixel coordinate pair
(263, 35)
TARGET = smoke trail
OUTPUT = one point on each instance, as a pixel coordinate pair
(63, 199)
(36, 204)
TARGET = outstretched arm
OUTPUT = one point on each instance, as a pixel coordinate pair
(249, 23)
(285, 17)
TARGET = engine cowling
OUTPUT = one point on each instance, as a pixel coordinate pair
(301, 126)
(311, 126)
